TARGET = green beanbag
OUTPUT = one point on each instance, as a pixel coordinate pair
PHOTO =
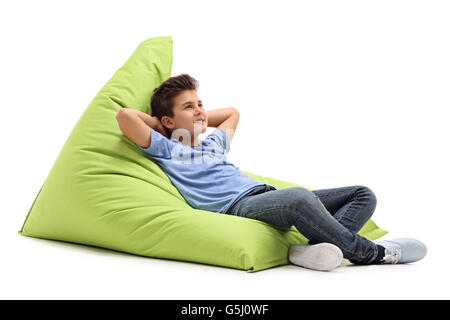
(102, 191)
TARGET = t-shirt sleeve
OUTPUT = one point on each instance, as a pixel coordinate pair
(220, 138)
(160, 146)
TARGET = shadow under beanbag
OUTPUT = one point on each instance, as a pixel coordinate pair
(102, 191)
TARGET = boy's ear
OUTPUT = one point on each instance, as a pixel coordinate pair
(167, 122)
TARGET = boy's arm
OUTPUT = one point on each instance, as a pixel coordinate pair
(226, 119)
(135, 125)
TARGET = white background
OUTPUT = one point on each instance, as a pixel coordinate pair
(331, 93)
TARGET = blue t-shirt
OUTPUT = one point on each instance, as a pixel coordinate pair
(202, 173)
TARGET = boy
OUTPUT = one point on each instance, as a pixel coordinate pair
(329, 218)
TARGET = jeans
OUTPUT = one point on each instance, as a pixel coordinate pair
(326, 215)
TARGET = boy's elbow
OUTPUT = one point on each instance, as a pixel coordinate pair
(235, 111)
(123, 120)
(121, 113)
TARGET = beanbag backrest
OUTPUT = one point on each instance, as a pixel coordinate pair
(102, 191)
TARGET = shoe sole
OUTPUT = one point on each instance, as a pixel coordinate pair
(321, 256)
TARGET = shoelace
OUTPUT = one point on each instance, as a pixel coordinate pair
(392, 255)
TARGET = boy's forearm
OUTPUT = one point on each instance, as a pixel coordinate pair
(144, 116)
(150, 121)
(217, 116)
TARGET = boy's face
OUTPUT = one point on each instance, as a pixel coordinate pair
(186, 110)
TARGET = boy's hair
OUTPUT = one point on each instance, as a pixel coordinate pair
(161, 101)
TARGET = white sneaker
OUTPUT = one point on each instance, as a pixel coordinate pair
(403, 250)
(322, 256)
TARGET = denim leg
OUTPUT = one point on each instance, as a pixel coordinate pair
(350, 206)
(302, 208)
